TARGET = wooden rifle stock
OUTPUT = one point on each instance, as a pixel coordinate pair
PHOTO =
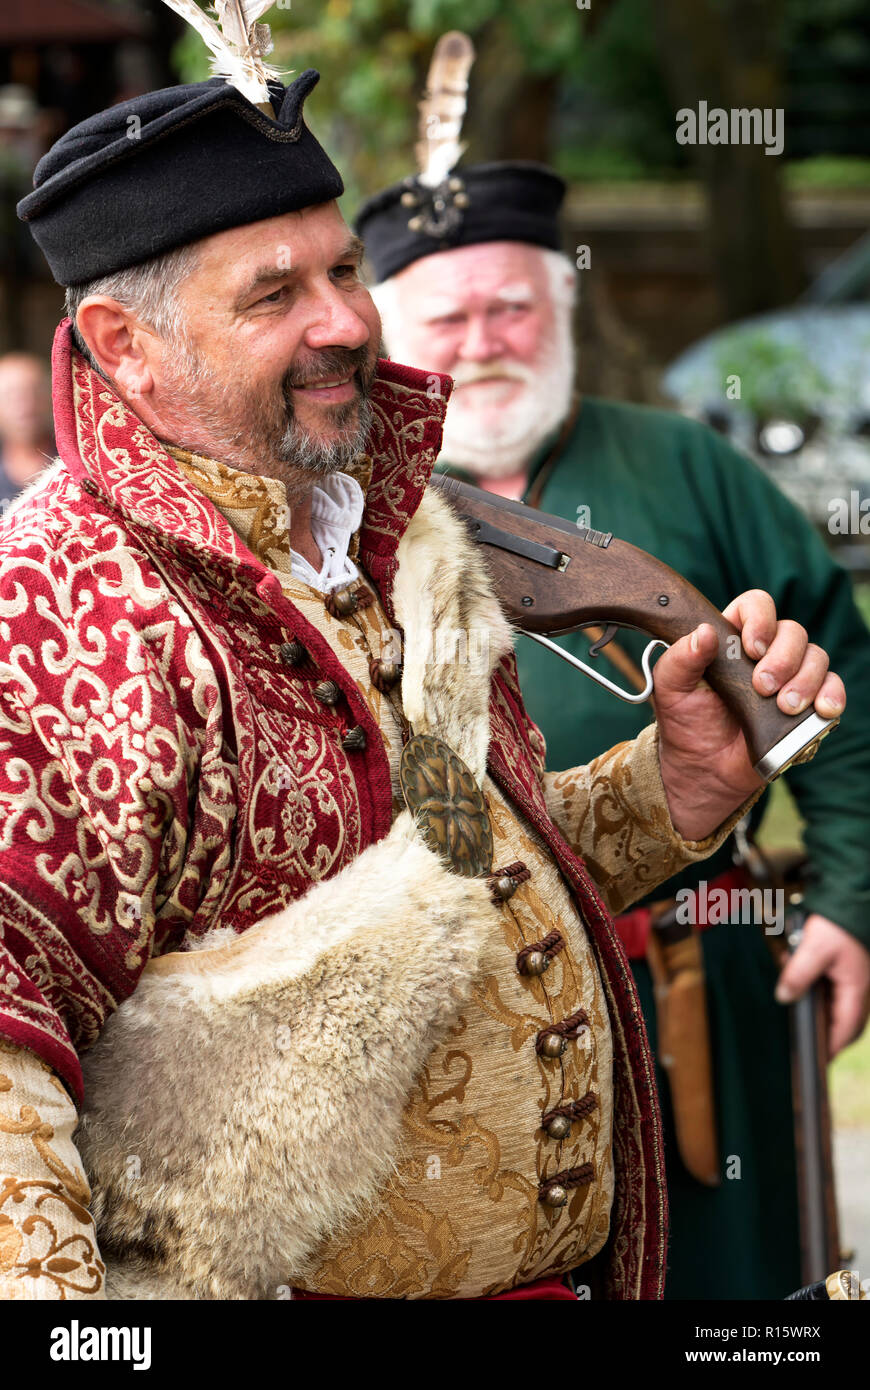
(554, 577)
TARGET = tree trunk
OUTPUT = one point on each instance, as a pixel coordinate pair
(724, 52)
(510, 110)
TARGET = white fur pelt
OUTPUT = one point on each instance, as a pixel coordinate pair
(455, 631)
(247, 1100)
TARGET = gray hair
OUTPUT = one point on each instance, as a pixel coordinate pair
(149, 289)
(562, 282)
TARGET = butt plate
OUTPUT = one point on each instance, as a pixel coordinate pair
(810, 731)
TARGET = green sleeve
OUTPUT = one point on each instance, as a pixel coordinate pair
(768, 543)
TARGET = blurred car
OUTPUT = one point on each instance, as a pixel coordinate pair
(792, 389)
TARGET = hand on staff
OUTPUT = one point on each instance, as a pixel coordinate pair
(828, 950)
(706, 766)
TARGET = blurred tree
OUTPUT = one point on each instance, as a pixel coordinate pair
(594, 93)
(728, 53)
(827, 47)
(374, 55)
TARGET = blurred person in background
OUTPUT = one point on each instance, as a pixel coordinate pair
(471, 282)
(22, 127)
(26, 438)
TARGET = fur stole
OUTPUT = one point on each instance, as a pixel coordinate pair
(247, 1099)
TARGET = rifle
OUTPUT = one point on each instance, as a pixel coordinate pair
(552, 576)
(784, 872)
(820, 1239)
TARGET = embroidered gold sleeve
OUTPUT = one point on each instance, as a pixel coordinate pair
(614, 814)
(48, 1247)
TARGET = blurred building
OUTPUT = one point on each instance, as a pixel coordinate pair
(60, 61)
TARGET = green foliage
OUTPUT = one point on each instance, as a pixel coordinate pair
(599, 163)
(782, 826)
(829, 171)
(850, 1085)
(614, 117)
(374, 55)
(616, 101)
(777, 378)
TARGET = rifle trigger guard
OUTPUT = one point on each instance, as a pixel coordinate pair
(629, 697)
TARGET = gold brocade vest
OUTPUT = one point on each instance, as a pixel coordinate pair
(465, 1213)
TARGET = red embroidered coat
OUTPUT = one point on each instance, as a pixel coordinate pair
(144, 696)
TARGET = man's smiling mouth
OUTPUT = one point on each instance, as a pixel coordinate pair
(328, 387)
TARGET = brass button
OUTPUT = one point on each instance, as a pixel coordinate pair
(327, 692)
(535, 963)
(384, 674)
(354, 740)
(558, 1127)
(504, 888)
(552, 1045)
(342, 603)
(291, 653)
(555, 1196)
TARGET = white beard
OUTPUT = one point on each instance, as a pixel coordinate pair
(494, 441)
(498, 443)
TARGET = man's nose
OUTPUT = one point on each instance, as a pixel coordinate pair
(334, 323)
(481, 342)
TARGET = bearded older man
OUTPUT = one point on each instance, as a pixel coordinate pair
(303, 977)
(479, 288)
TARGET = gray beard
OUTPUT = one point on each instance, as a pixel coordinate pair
(275, 438)
(320, 457)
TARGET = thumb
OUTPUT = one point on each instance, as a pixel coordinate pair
(680, 670)
(799, 972)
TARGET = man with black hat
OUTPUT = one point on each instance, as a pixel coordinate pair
(282, 873)
(471, 281)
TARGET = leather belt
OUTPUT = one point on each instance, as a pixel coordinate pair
(634, 927)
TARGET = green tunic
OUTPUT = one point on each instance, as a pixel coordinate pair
(678, 490)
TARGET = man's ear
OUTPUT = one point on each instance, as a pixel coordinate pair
(118, 341)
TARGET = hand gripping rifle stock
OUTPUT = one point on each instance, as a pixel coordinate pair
(552, 576)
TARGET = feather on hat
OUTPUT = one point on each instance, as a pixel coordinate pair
(237, 41)
(167, 168)
(446, 204)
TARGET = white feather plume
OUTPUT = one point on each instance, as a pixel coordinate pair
(237, 43)
(442, 108)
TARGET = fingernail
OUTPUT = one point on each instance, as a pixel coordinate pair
(835, 706)
(783, 994)
(793, 700)
(768, 682)
(693, 641)
(760, 648)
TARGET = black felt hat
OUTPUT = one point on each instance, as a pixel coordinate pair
(507, 201)
(164, 169)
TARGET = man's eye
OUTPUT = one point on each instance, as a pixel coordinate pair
(345, 272)
(275, 297)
